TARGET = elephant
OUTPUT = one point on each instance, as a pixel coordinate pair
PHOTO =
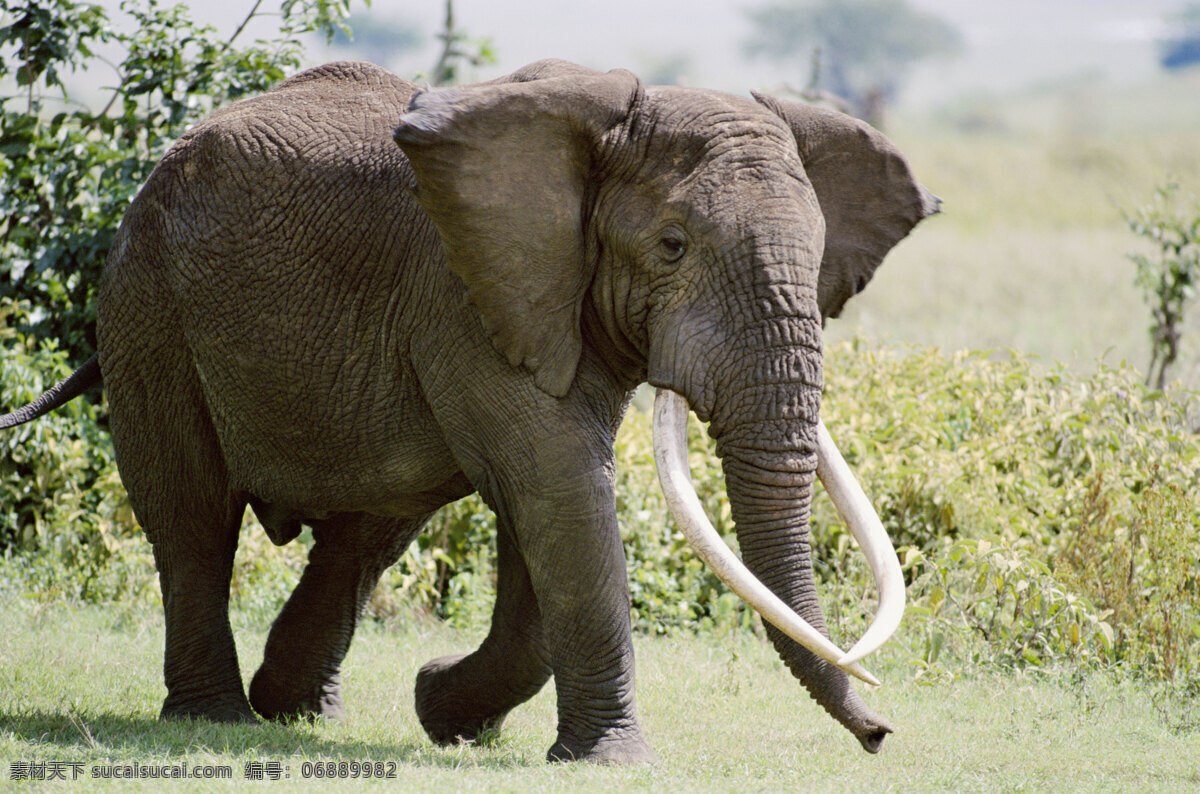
(349, 301)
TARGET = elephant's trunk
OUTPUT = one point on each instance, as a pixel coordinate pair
(670, 452)
(769, 467)
(771, 510)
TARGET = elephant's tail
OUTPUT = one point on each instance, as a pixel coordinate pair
(61, 393)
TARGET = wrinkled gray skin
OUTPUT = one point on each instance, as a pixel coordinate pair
(282, 324)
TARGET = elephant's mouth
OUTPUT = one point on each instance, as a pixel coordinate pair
(670, 457)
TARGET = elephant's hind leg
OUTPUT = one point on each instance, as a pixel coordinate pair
(172, 467)
(200, 662)
(300, 674)
(461, 698)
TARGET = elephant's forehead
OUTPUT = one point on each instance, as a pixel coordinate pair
(711, 122)
(701, 144)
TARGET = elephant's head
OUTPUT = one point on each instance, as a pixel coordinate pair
(697, 240)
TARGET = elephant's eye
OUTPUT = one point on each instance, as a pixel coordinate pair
(673, 248)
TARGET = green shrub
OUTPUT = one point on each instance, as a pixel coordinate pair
(982, 602)
(69, 171)
(1050, 516)
(63, 512)
(1143, 568)
(1167, 280)
(449, 570)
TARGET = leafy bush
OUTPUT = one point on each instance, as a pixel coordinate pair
(449, 570)
(1143, 568)
(1046, 514)
(60, 495)
(70, 171)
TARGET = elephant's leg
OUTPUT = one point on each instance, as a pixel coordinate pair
(461, 697)
(579, 573)
(545, 466)
(172, 467)
(569, 538)
(300, 672)
(194, 556)
(200, 664)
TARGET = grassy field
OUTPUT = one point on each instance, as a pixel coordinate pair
(84, 685)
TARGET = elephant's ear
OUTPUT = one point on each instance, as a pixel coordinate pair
(502, 169)
(867, 191)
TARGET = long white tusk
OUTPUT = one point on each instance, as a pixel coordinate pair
(856, 510)
(670, 457)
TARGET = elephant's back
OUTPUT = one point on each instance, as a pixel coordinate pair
(278, 239)
(353, 75)
(322, 114)
(295, 201)
(334, 121)
(301, 188)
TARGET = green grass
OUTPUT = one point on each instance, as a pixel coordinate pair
(84, 684)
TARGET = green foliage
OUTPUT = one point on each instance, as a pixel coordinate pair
(983, 602)
(1044, 514)
(1141, 561)
(1167, 280)
(68, 172)
(448, 571)
(60, 495)
(50, 36)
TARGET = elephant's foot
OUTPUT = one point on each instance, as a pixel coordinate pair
(452, 707)
(282, 701)
(627, 746)
(457, 702)
(230, 708)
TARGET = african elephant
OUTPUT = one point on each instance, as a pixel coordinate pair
(347, 302)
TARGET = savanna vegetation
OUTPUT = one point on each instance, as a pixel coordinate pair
(1045, 513)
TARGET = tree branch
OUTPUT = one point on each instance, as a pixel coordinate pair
(253, 13)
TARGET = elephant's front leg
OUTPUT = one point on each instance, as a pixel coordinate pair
(562, 607)
(459, 698)
(570, 542)
(300, 673)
